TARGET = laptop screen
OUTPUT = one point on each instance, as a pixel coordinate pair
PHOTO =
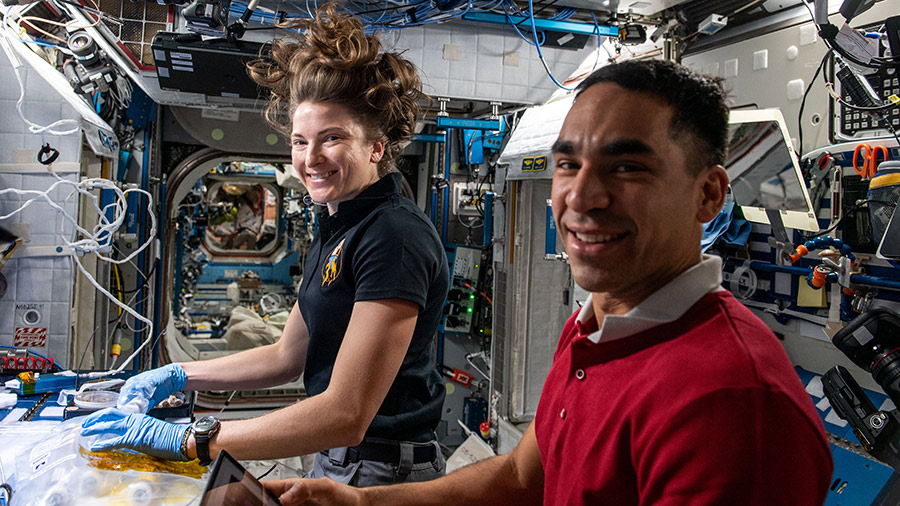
(231, 485)
(764, 172)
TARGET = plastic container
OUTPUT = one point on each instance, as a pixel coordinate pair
(96, 399)
(884, 193)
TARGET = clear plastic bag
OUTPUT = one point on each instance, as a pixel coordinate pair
(16, 437)
(58, 470)
(92, 487)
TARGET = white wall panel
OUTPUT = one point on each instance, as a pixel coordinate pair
(794, 52)
(482, 72)
(47, 281)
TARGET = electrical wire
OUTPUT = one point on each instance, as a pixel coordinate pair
(16, 64)
(538, 47)
(86, 346)
(101, 237)
(469, 286)
(809, 8)
(837, 97)
(118, 286)
(474, 223)
(67, 26)
(263, 475)
(515, 27)
(887, 121)
(103, 15)
(853, 209)
(145, 283)
(833, 45)
(599, 41)
(227, 402)
(803, 103)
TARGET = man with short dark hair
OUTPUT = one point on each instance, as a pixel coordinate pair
(664, 389)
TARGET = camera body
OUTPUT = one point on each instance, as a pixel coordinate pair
(207, 17)
(89, 70)
(872, 341)
(876, 430)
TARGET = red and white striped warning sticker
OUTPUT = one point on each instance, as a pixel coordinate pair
(30, 337)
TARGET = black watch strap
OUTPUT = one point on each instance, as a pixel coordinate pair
(202, 443)
(204, 429)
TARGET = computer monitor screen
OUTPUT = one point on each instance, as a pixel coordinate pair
(764, 172)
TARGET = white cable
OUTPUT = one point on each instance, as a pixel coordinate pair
(105, 229)
(32, 127)
(101, 237)
(98, 239)
(122, 305)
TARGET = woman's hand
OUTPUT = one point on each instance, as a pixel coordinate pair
(144, 391)
(119, 429)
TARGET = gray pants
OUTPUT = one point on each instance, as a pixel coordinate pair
(369, 473)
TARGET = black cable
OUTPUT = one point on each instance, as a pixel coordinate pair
(394, 8)
(480, 201)
(263, 475)
(365, 4)
(84, 352)
(102, 14)
(853, 209)
(844, 103)
(887, 121)
(834, 46)
(865, 109)
(535, 13)
(803, 103)
(152, 344)
(146, 282)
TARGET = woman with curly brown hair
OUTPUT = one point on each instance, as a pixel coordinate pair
(374, 285)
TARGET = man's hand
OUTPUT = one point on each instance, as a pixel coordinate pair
(512, 478)
(318, 492)
(118, 429)
(140, 393)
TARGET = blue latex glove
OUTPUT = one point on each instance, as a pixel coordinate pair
(140, 393)
(118, 429)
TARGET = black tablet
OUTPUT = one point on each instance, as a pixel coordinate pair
(231, 485)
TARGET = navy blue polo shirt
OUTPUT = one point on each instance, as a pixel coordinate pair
(377, 246)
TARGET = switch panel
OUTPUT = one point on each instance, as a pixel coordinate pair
(468, 198)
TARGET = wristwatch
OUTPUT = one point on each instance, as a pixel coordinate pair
(204, 429)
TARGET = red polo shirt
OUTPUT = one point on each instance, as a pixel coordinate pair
(704, 410)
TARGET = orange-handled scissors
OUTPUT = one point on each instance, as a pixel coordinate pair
(869, 164)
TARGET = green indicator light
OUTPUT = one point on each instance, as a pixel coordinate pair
(471, 296)
(481, 330)
(476, 266)
(469, 310)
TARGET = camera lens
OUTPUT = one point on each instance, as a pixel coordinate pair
(79, 41)
(85, 48)
(886, 371)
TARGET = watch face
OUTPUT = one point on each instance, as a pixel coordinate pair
(205, 424)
